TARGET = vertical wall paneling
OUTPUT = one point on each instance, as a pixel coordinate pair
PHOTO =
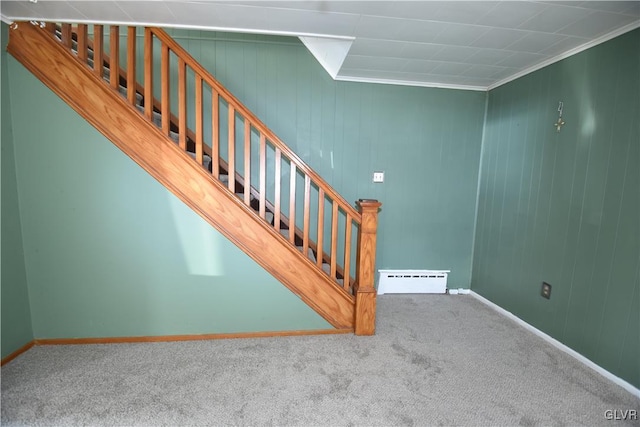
(564, 207)
(16, 313)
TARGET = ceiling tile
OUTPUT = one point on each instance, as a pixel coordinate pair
(522, 60)
(98, 10)
(372, 47)
(572, 3)
(484, 71)
(141, 12)
(421, 10)
(463, 12)
(511, 14)
(16, 9)
(419, 31)
(455, 53)
(554, 18)
(47, 10)
(596, 24)
(382, 75)
(419, 66)
(374, 8)
(634, 9)
(535, 42)
(489, 56)
(504, 73)
(498, 38)
(373, 62)
(376, 27)
(460, 34)
(241, 17)
(623, 7)
(563, 46)
(456, 68)
(398, 29)
(420, 50)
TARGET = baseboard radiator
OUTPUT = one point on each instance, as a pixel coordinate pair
(412, 281)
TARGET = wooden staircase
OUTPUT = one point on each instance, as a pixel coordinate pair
(221, 174)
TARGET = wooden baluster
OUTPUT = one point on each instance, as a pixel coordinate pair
(82, 34)
(247, 162)
(263, 175)
(148, 73)
(182, 104)
(307, 206)
(98, 54)
(292, 204)
(66, 35)
(114, 62)
(334, 238)
(131, 65)
(346, 273)
(365, 313)
(50, 27)
(215, 134)
(319, 250)
(232, 148)
(165, 107)
(199, 128)
(277, 179)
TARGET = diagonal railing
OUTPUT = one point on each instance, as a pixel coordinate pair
(207, 122)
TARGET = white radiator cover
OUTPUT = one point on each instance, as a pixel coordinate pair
(412, 281)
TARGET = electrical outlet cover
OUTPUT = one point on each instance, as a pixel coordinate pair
(546, 290)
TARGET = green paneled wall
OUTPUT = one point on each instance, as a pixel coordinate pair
(426, 140)
(16, 316)
(565, 207)
(110, 252)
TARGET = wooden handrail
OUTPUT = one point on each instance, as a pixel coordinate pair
(257, 123)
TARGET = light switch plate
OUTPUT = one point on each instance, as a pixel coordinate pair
(378, 177)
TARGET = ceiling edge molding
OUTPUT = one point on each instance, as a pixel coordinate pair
(180, 26)
(329, 52)
(410, 83)
(567, 54)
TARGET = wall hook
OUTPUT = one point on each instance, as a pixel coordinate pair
(560, 122)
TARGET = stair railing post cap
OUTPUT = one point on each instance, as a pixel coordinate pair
(368, 203)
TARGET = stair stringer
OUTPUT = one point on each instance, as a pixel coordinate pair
(144, 143)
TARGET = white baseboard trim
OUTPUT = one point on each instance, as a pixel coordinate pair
(554, 342)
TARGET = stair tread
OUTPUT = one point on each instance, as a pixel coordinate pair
(206, 160)
(157, 118)
(310, 254)
(123, 92)
(241, 195)
(269, 217)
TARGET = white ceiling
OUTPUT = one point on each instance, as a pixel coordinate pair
(474, 45)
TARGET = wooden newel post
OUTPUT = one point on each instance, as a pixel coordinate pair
(365, 313)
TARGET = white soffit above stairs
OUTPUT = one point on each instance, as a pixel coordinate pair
(329, 52)
(476, 45)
